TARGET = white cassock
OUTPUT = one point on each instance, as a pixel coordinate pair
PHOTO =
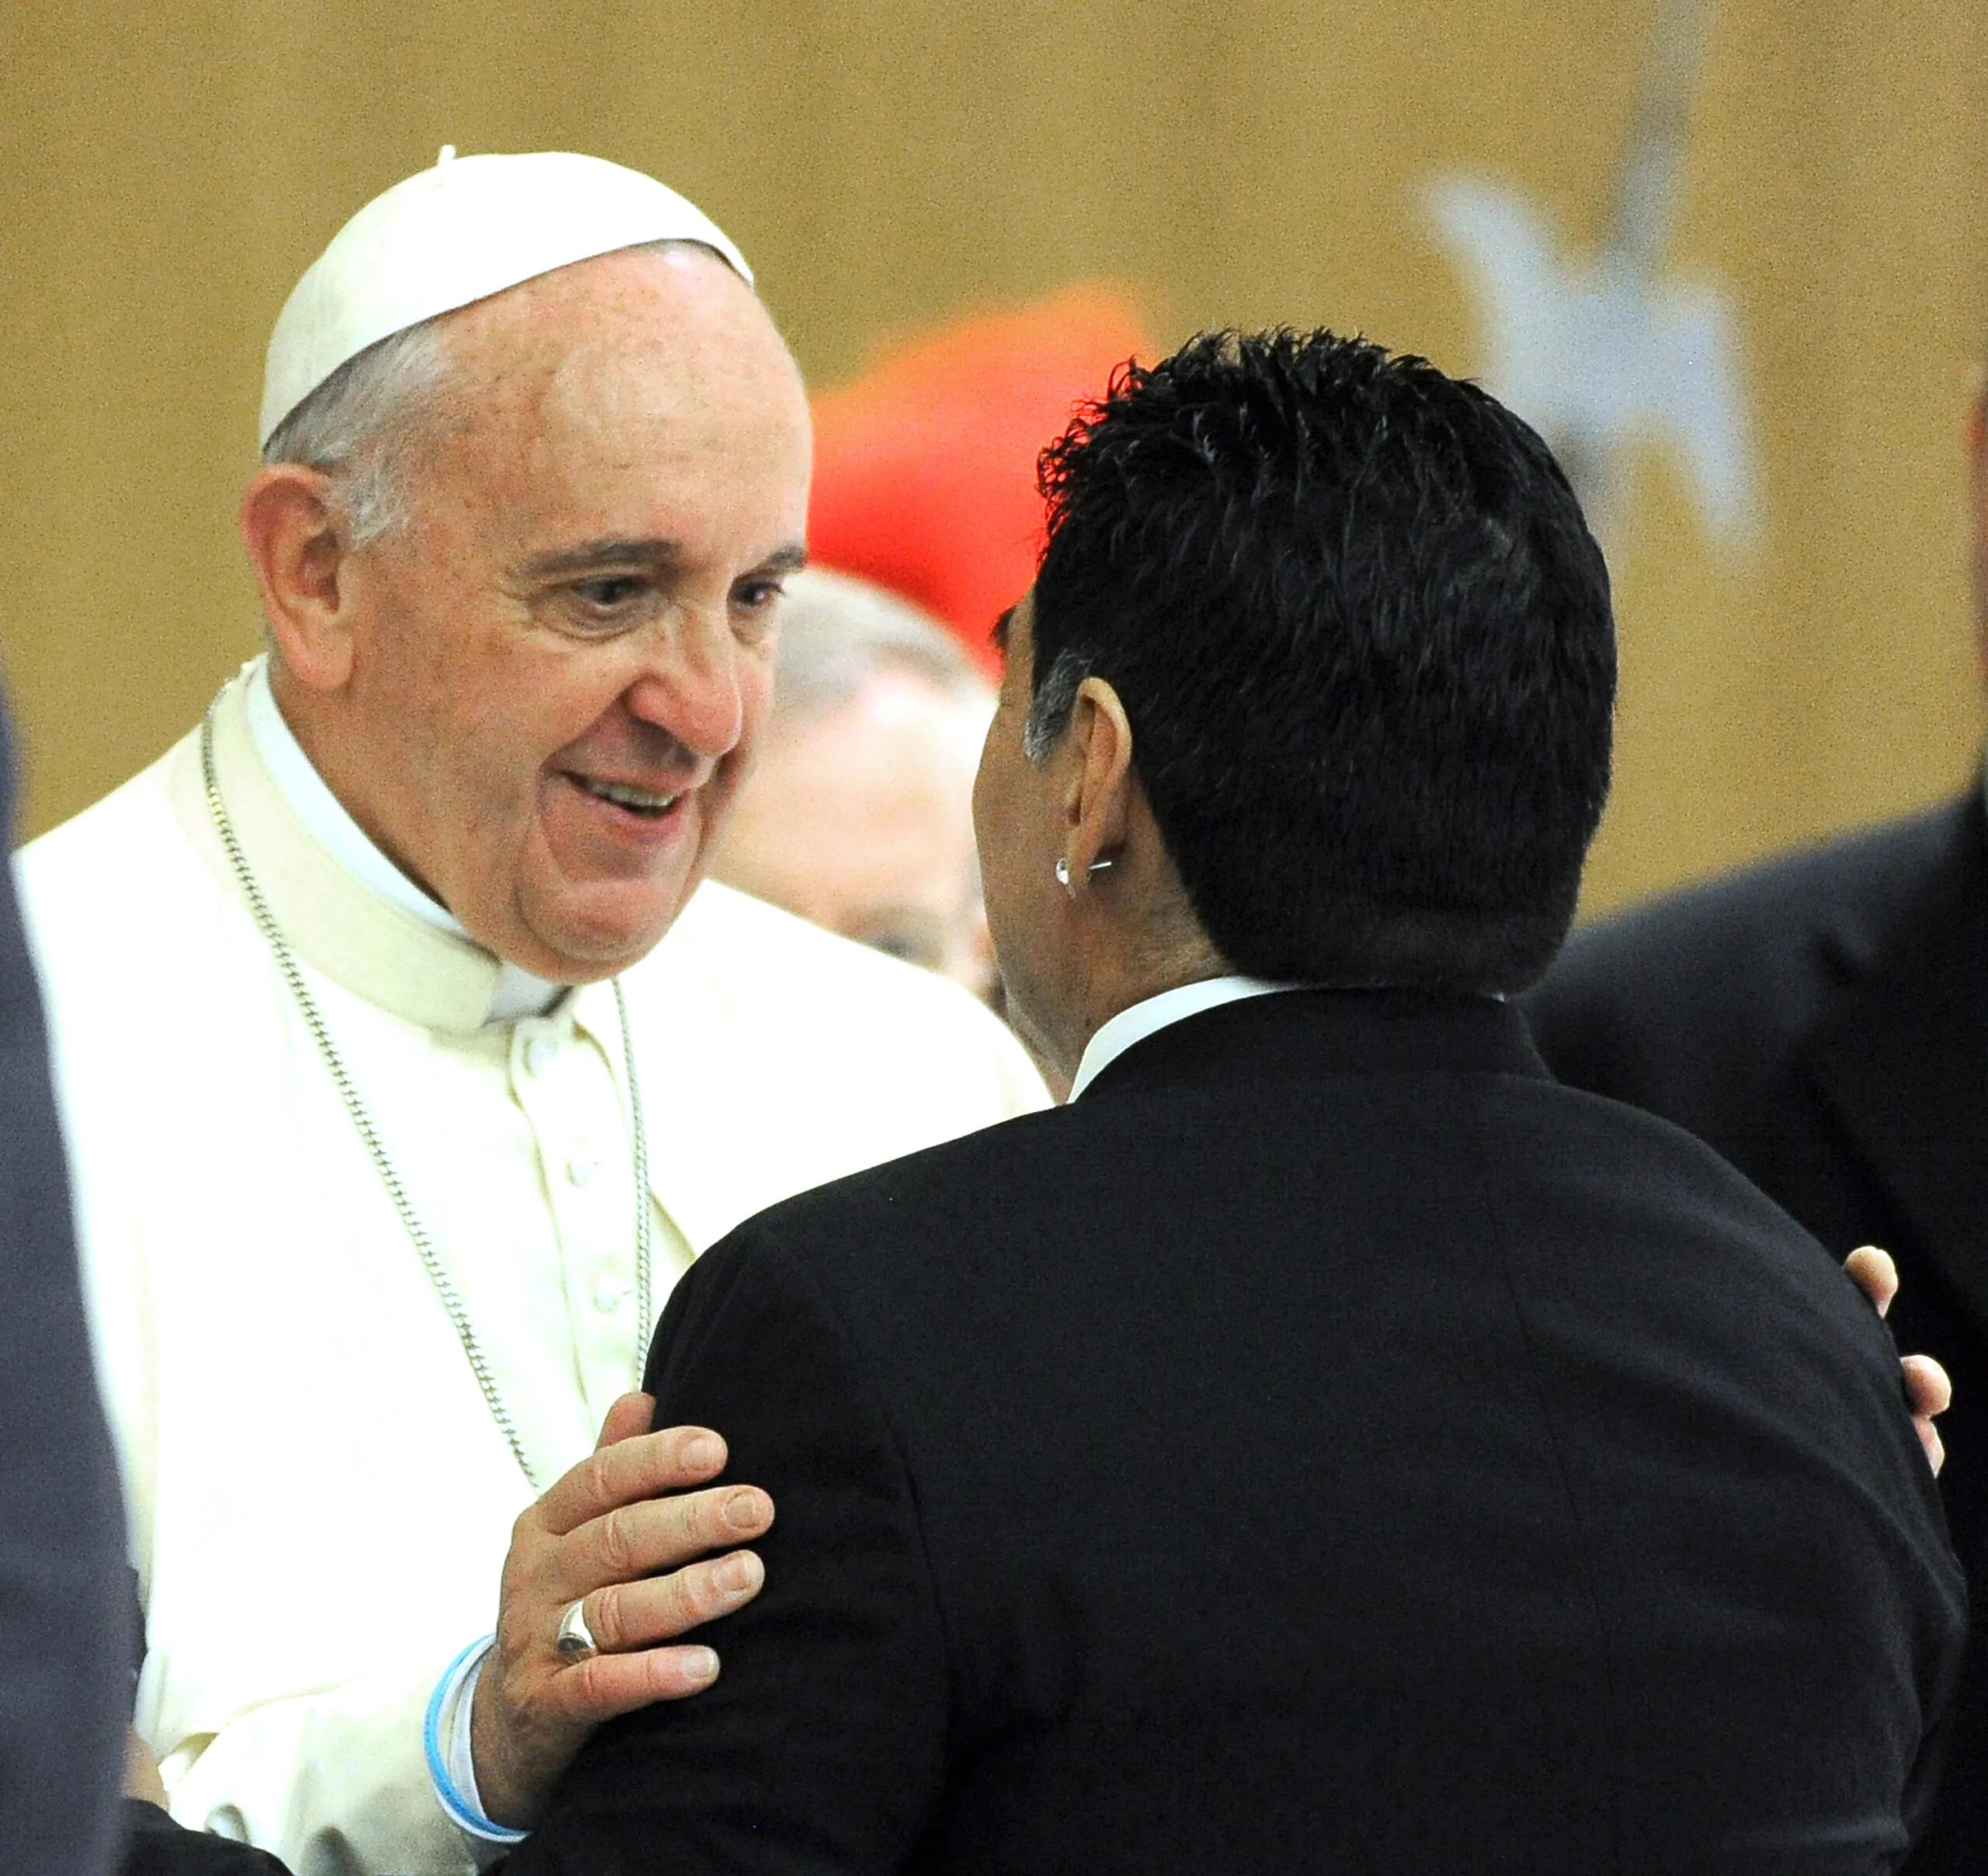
(320, 1499)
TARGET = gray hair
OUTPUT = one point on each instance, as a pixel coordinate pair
(1049, 709)
(836, 632)
(365, 424)
(361, 425)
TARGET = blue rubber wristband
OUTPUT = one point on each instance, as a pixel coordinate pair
(461, 1812)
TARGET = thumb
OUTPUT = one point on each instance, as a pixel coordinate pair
(632, 1414)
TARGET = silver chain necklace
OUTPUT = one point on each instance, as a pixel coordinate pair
(369, 1132)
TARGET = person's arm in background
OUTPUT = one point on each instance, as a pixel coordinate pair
(65, 1624)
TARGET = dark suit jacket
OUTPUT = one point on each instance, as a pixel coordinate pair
(1327, 1445)
(155, 1846)
(65, 1623)
(1822, 1020)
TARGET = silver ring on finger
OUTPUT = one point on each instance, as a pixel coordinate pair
(574, 1641)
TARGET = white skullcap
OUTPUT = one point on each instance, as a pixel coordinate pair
(466, 229)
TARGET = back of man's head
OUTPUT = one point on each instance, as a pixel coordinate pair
(1363, 638)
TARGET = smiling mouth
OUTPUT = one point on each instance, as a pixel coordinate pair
(636, 800)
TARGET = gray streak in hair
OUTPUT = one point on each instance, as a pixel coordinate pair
(1049, 709)
(360, 425)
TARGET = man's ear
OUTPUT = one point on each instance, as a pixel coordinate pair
(297, 546)
(1097, 796)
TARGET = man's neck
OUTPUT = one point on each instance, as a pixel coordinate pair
(1136, 1021)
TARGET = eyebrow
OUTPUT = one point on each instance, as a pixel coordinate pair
(621, 549)
(617, 549)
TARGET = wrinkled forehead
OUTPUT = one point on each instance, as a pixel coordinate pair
(637, 361)
(639, 323)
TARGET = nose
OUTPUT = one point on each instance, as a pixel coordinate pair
(691, 685)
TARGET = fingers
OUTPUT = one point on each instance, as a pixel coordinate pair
(624, 1616)
(1873, 1272)
(1927, 1386)
(1928, 1392)
(620, 1471)
(635, 1541)
(599, 1688)
(141, 1778)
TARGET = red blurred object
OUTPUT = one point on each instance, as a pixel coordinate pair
(925, 466)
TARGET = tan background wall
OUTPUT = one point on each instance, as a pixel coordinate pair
(166, 172)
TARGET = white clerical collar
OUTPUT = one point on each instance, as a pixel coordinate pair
(1114, 1038)
(518, 993)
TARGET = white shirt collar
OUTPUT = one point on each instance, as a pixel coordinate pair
(1146, 1018)
(519, 993)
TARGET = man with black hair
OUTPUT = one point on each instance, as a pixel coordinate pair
(1327, 1443)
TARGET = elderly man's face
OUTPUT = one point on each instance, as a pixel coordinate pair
(562, 660)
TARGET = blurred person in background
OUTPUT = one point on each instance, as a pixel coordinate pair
(858, 814)
(925, 461)
(1821, 1018)
(66, 1628)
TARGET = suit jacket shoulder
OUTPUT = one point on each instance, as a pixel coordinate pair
(1751, 956)
(822, 1746)
(1822, 1020)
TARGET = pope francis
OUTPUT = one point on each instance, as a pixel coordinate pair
(440, 1066)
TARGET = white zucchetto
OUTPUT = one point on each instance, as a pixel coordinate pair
(466, 229)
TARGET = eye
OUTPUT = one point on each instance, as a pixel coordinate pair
(757, 602)
(609, 592)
